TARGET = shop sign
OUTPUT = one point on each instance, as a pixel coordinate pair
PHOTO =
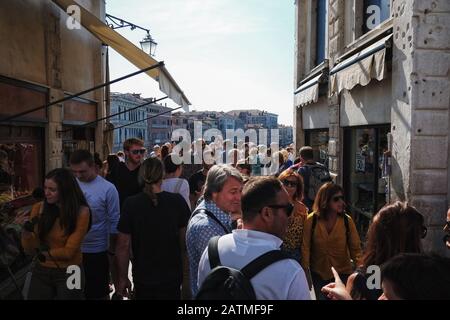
(360, 162)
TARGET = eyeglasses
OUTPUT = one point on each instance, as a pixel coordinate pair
(288, 208)
(138, 151)
(290, 184)
(424, 232)
(337, 198)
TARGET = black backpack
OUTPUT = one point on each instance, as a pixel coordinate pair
(225, 283)
(315, 176)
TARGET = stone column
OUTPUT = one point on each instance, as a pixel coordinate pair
(100, 66)
(420, 119)
(301, 30)
(53, 147)
(336, 34)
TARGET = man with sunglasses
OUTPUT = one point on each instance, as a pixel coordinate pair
(125, 177)
(266, 210)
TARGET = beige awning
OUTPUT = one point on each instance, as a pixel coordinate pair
(308, 92)
(130, 52)
(361, 68)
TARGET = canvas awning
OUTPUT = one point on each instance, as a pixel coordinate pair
(361, 68)
(129, 51)
(308, 92)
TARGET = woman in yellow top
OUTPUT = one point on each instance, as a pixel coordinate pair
(55, 232)
(330, 239)
(292, 242)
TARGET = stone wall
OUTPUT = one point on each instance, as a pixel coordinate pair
(39, 48)
(336, 34)
(420, 119)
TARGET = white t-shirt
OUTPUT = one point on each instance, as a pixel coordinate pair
(282, 280)
(177, 185)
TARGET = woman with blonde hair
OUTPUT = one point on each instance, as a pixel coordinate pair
(292, 242)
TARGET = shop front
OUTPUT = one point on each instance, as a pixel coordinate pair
(77, 133)
(365, 172)
(22, 154)
(318, 140)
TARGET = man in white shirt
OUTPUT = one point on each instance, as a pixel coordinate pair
(266, 210)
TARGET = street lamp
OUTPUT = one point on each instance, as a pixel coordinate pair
(148, 45)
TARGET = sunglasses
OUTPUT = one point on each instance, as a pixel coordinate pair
(337, 198)
(138, 151)
(288, 208)
(290, 184)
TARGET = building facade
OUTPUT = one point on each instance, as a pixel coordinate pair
(371, 92)
(223, 121)
(286, 135)
(41, 59)
(145, 123)
(258, 119)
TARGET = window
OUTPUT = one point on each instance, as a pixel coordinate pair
(21, 158)
(322, 27)
(375, 12)
(363, 16)
(318, 141)
(365, 172)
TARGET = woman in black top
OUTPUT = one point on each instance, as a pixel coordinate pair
(155, 223)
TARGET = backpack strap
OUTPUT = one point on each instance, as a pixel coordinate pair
(262, 262)
(313, 227)
(347, 229)
(213, 252)
(212, 216)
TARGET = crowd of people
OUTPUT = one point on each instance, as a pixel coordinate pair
(162, 216)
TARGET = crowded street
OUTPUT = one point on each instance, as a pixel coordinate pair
(201, 173)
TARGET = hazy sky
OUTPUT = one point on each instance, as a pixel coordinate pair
(224, 54)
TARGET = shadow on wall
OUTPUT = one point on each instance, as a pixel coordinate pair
(397, 185)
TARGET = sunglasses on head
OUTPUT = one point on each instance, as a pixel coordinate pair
(288, 208)
(291, 184)
(337, 198)
(137, 151)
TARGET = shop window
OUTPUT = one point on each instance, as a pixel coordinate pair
(21, 158)
(318, 141)
(76, 138)
(365, 173)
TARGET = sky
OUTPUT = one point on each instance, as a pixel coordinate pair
(224, 54)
